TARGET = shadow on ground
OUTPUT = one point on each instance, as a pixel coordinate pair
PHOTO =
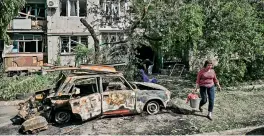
(258, 131)
(184, 111)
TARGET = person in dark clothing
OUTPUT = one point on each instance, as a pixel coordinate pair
(147, 66)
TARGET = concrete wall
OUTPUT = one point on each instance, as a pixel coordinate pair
(65, 26)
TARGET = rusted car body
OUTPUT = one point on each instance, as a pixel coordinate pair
(85, 96)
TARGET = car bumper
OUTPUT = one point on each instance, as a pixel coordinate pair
(169, 104)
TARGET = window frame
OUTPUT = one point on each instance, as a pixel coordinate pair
(86, 78)
(79, 38)
(125, 83)
(68, 8)
(109, 35)
(23, 39)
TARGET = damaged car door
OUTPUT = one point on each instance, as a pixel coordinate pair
(118, 98)
(86, 98)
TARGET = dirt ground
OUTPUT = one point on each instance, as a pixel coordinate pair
(164, 123)
(234, 109)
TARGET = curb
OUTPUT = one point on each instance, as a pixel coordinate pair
(11, 103)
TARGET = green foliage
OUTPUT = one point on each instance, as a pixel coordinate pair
(10, 86)
(8, 9)
(81, 54)
(255, 69)
(232, 30)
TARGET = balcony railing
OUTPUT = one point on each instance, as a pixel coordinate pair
(26, 24)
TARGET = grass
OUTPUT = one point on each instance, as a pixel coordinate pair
(234, 108)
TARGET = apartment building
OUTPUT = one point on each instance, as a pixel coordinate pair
(48, 30)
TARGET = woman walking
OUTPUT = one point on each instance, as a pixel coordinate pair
(206, 80)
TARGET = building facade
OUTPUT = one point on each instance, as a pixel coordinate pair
(52, 28)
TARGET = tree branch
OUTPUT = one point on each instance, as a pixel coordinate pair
(135, 24)
(95, 38)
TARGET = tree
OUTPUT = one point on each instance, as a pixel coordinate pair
(8, 9)
(230, 30)
(139, 14)
(233, 31)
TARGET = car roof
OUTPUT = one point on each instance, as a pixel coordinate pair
(87, 70)
(94, 74)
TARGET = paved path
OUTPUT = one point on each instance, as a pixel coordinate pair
(6, 113)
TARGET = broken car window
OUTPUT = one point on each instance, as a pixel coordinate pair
(87, 86)
(113, 84)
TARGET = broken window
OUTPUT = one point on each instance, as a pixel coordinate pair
(74, 40)
(30, 46)
(114, 84)
(83, 8)
(87, 86)
(112, 37)
(84, 40)
(65, 44)
(63, 7)
(21, 46)
(111, 11)
(27, 43)
(37, 11)
(68, 43)
(73, 8)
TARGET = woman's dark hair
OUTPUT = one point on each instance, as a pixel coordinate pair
(207, 62)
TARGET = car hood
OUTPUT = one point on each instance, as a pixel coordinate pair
(152, 85)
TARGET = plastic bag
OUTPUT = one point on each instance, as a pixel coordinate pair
(191, 96)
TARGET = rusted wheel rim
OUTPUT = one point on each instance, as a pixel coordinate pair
(153, 108)
(62, 117)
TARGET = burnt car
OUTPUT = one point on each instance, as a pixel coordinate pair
(85, 95)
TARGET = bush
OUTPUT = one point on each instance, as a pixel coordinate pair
(11, 86)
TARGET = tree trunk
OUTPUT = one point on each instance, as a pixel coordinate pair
(95, 38)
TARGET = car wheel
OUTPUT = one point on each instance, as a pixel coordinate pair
(152, 107)
(62, 117)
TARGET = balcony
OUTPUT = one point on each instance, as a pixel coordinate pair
(19, 24)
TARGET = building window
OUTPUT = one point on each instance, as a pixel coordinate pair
(76, 8)
(27, 43)
(112, 37)
(68, 43)
(37, 10)
(113, 10)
